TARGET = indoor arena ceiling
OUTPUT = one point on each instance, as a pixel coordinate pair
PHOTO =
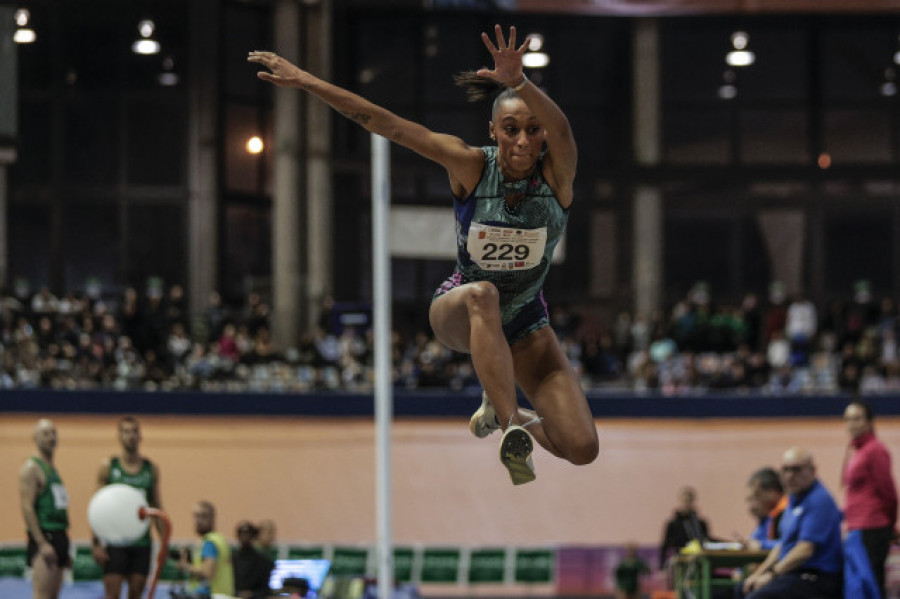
(686, 7)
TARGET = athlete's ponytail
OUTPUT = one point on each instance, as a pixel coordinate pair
(484, 88)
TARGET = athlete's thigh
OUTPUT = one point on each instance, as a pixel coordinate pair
(140, 561)
(136, 584)
(449, 318)
(112, 584)
(119, 561)
(551, 385)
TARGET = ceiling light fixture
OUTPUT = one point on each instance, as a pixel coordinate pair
(145, 44)
(534, 58)
(889, 85)
(23, 34)
(255, 145)
(740, 56)
(728, 90)
(168, 77)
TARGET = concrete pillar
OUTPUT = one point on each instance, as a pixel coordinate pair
(647, 267)
(784, 233)
(286, 196)
(648, 249)
(320, 197)
(203, 214)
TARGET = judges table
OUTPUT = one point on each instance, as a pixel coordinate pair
(693, 571)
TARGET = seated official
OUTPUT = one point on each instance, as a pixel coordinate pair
(807, 562)
(766, 498)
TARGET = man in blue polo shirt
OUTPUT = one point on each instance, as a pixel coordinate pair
(807, 562)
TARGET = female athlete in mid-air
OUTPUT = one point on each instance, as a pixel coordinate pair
(511, 201)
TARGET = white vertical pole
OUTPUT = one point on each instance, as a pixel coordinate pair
(384, 400)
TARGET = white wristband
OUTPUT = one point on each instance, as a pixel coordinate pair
(518, 88)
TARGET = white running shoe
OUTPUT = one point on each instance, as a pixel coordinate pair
(515, 453)
(484, 421)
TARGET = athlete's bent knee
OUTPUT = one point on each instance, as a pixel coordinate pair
(583, 451)
(483, 296)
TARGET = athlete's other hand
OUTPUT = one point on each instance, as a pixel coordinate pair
(100, 554)
(283, 72)
(48, 554)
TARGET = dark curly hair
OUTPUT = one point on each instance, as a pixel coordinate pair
(480, 88)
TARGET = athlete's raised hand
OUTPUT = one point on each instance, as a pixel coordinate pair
(507, 58)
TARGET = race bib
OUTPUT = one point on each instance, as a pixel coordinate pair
(60, 496)
(506, 248)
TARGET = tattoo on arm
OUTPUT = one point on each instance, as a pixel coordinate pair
(359, 117)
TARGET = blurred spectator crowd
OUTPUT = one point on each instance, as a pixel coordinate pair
(783, 345)
(83, 341)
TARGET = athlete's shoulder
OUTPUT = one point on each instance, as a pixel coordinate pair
(31, 464)
(32, 472)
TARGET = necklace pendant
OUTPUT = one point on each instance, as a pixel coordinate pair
(512, 201)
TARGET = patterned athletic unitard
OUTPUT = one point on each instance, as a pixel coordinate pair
(508, 244)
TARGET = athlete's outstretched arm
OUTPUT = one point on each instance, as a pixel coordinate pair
(562, 154)
(447, 150)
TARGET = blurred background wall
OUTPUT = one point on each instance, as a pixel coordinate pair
(134, 169)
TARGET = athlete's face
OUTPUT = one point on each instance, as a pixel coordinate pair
(519, 137)
(129, 435)
(45, 436)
